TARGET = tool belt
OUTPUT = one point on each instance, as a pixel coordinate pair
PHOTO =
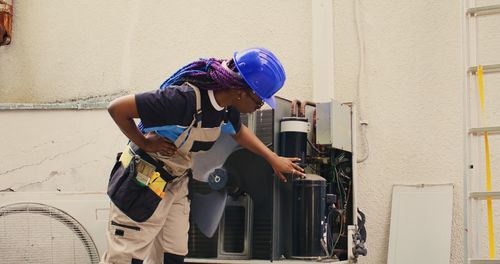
(137, 183)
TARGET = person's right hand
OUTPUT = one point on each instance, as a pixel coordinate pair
(159, 144)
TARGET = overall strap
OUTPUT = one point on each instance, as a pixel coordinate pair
(197, 116)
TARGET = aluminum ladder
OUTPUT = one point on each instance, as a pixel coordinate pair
(479, 240)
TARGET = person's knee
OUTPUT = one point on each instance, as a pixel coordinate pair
(172, 259)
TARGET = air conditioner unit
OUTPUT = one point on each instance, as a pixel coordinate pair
(53, 227)
(309, 219)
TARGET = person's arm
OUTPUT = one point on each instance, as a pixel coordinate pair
(250, 141)
(123, 110)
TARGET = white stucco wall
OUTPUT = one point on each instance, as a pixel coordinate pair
(410, 95)
(57, 150)
(404, 61)
(400, 60)
(79, 49)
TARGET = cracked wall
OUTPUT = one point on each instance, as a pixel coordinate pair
(69, 50)
(409, 78)
(61, 151)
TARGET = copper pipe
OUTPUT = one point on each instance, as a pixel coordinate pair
(295, 107)
(303, 107)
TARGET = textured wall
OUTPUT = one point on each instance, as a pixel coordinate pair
(79, 49)
(58, 150)
(406, 58)
(400, 60)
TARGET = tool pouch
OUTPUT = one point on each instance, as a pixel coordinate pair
(134, 188)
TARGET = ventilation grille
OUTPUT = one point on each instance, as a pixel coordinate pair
(234, 229)
(262, 222)
(264, 126)
(262, 235)
(37, 233)
(244, 119)
(199, 245)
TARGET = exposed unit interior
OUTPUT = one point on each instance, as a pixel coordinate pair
(299, 220)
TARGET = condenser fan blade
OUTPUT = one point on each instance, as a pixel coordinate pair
(206, 162)
(252, 174)
(246, 171)
(207, 210)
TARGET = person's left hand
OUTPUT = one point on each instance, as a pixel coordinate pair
(160, 145)
(283, 165)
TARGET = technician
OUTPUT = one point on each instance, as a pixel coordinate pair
(148, 185)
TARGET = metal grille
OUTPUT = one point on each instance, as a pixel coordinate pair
(199, 245)
(262, 235)
(234, 229)
(244, 119)
(264, 126)
(38, 233)
(262, 221)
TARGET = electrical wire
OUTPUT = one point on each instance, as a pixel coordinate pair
(340, 234)
(367, 146)
(348, 194)
(315, 148)
(318, 170)
(330, 234)
(343, 199)
(361, 74)
(336, 172)
(340, 186)
(335, 176)
(324, 243)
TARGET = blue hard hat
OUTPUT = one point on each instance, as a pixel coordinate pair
(262, 71)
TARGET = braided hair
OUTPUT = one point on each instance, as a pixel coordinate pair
(208, 74)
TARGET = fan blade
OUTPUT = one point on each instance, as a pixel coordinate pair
(252, 174)
(207, 210)
(206, 162)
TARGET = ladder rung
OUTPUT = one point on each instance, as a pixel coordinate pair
(481, 130)
(486, 68)
(484, 10)
(484, 261)
(484, 195)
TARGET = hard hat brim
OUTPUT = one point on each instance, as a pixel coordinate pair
(271, 102)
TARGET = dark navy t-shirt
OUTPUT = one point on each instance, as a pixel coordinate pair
(170, 111)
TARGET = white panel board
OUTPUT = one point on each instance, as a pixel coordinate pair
(421, 224)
